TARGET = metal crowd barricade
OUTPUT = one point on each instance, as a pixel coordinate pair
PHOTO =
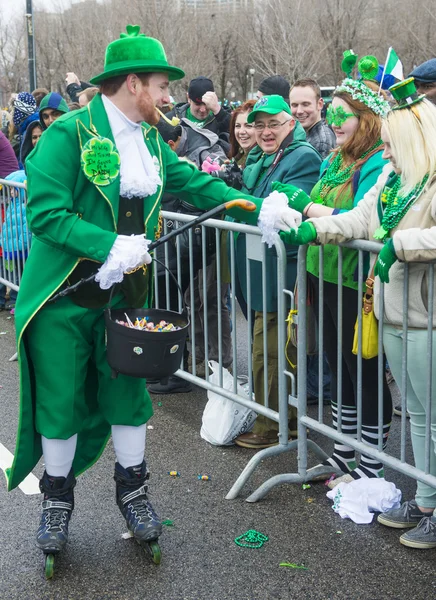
(395, 460)
(241, 329)
(15, 238)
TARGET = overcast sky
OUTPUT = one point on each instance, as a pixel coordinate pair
(12, 7)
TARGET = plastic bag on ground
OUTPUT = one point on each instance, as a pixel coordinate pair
(223, 420)
(357, 500)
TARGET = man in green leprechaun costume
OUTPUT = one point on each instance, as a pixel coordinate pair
(94, 186)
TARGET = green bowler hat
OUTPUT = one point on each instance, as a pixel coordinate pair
(405, 93)
(273, 105)
(134, 52)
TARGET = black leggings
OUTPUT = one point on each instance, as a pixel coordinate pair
(349, 360)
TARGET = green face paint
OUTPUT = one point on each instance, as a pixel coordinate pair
(337, 116)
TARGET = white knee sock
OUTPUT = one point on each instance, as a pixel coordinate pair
(129, 444)
(59, 455)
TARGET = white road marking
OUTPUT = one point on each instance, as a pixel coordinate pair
(30, 485)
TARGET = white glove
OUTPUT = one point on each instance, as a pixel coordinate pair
(275, 215)
(127, 253)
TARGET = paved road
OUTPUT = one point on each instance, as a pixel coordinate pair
(200, 558)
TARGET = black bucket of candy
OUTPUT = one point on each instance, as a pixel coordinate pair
(154, 353)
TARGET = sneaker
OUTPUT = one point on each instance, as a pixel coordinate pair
(397, 410)
(257, 442)
(346, 478)
(174, 385)
(423, 536)
(408, 515)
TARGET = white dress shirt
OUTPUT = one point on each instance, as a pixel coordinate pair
(138, 174)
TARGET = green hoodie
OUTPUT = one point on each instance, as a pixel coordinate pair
(54, 101)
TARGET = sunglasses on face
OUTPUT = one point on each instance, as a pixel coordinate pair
(337, 116)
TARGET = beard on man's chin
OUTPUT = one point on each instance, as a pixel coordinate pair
(147, 109)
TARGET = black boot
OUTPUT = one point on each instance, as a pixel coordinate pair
(131, 496)
(57, 507)
(173, 385)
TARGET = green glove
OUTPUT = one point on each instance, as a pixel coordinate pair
(305, 234)
(297, 198)
(385, 260)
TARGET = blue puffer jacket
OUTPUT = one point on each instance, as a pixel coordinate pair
(15, 239)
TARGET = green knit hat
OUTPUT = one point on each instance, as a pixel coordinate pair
(273, 105)
(134, 52)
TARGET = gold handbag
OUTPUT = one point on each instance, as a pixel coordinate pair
(369, 323)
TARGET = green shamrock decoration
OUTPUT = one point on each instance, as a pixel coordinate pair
(100, 161)
(132, 31)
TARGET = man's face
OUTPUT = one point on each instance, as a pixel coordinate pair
(198, 110)
(49, 116)
(271, 130)
(305, 106)
(158, 88)
(259, 94)
(427, 88)
(148, 96)
(36, 134)
(83, 100)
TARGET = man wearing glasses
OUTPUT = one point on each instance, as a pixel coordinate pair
(282, 156)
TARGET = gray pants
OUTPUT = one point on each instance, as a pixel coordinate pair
(417, 378)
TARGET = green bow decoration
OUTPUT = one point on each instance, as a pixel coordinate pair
(132, 31)
(305, 234)
(385, 260)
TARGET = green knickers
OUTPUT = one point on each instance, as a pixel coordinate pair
(71, 379)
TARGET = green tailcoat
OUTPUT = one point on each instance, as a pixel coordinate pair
(72, 219)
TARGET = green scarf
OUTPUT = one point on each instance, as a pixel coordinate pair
(199, 122)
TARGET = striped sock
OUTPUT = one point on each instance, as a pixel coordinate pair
(343, 456)
(370, 467)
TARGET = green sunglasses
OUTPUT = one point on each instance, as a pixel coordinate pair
(337, 116)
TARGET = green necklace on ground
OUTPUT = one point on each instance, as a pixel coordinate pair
(251, 539)
(336, 174)
(396, 206)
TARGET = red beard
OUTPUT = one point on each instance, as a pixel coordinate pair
(147, 109)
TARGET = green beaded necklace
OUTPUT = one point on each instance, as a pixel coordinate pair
(396, 206)
(337, 175)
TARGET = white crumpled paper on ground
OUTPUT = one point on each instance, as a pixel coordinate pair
(357, 499)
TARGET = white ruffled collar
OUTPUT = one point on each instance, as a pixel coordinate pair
(139, 172)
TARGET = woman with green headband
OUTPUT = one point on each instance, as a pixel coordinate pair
(400, 211)
(347, 175)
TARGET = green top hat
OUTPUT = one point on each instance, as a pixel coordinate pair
(349, 61)
(273, 105)
(134, 52)
(405, 93)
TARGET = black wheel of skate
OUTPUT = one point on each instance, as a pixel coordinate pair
(49, 565)
(153, 550)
